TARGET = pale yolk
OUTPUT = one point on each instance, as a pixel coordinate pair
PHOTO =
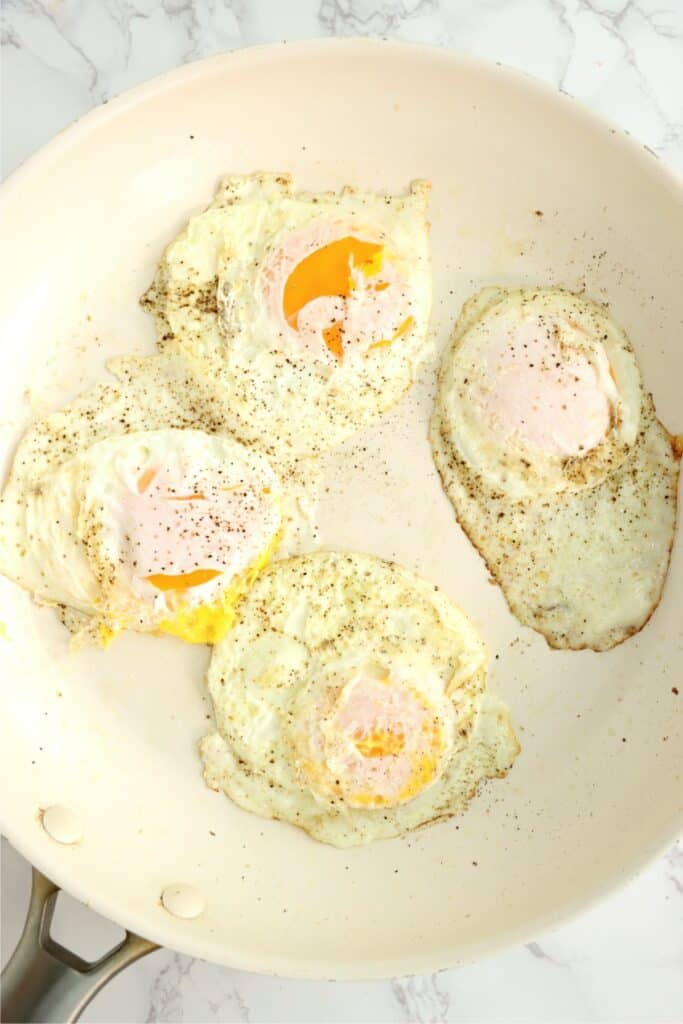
(384, 743)
(339, 294)
(540, 394)
(327, 272)
(146, 478)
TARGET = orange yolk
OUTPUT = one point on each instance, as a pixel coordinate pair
(327, 272)
(333, 339)
(182, 581)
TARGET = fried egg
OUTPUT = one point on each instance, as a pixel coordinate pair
(310, 312)
(556, 465)
(120, 510)
(350, 700)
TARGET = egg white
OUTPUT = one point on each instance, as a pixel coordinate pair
(309, 626)
(579, 543)
(63, 517)
(209, 298)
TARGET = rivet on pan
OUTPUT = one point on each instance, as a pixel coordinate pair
(62, 824)
(183, 900)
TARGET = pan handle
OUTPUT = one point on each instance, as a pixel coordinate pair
(44, 981)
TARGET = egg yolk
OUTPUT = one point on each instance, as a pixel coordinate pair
(328, 271)
(345, 292)
(193, 543)
(383, 743)
(208, 623)
(183, 580)
(539, 391)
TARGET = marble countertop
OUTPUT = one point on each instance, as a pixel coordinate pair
(622, 961)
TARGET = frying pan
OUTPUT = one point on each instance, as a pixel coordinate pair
(528, 188)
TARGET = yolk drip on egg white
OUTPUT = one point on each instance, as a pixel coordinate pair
(208, 623)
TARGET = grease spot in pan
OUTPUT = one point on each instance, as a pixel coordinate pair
(183, 901)
(62, 824)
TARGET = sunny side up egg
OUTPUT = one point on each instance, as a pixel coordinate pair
(350, 700)
(126, 515)
(310, 312)
(556, 465)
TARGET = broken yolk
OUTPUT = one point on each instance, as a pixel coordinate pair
(328, 272)
(208, 624)
(333, 339)
(406, 326)
(398, 743)
(379, 743)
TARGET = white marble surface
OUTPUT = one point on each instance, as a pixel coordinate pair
(622, 961)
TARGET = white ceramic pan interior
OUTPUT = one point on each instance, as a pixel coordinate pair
(113, 736)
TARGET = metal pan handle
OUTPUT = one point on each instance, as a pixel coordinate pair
(44, 981)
